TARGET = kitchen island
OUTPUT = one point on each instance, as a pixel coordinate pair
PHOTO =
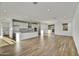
(26, 35)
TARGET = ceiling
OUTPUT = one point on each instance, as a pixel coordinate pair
(42, 11)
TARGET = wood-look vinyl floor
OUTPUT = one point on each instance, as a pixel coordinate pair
(42, 46)
(6, 41)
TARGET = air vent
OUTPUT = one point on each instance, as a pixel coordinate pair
(35, 2)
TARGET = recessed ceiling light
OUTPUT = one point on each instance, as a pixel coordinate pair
(48, 10)
(65, 17)
(4, 11)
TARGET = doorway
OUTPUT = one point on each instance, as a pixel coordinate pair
(5, 27)
(51, 27)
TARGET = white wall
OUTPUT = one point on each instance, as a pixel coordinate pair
(59, 28)
(76, 28)
(44, 27)
(1, 31)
